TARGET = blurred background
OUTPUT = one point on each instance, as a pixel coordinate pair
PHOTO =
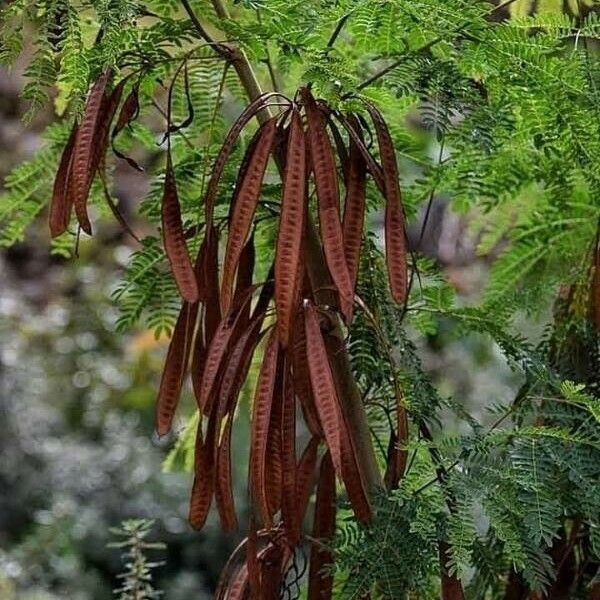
(77, 453)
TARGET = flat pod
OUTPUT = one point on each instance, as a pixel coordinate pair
(62, 201)
(288, 459)
(217, 170)
(261, 419)
(395, 236)
(323, 386)
(320, 585)
(354, 206)
(174, 239)
(246, 200)
(129, 112)
(291, 228)
(203, 486)
(84, 148)
(305, 476)
(325, 173)
(175, 367)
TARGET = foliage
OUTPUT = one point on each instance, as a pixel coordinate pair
(137, 574)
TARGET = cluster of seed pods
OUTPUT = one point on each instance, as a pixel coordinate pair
(227, 317)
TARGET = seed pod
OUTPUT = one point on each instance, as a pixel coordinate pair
(305, 476)
(214, 358)
(62, 200)
(323, 164)
(261, 416)
(354, 207)
(273, 468)
(246, 200)
(174, 238)
(175, 367)
(243, 281)
(129, 112)
(223, 484)
(320, 585)
(203, 486)
(84, 148)
(291, 229)
(288, 460)
(302, 385)
(374, 168)
(217, 170)
(323, 386)
(395, 237)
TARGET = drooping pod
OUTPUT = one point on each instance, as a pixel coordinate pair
(291, 230)
(395, 235)
(354, 206)
(174, 238)
(83, 150)
(325, 174)
(245, 202)
(320, 585)
(62, 198)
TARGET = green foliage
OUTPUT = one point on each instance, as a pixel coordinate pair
(137, 574)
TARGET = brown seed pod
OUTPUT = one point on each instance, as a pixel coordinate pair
(291, 230)
(246, 200)
(323, 165)
(320, 585)
(175, 367)
(174, 238)
(203, 486)
(261, 417)
(395, 236)
(83, 150)
(305, 476)
(129, 112)
(354, 206)
(217, 170)
(273, 468)
(289, 515)
(223, 484)
(323, 386)
(302, 385)
(62, 200)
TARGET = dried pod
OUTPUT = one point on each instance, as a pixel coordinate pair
(323, 386)
(354, 206)
(174, 238)
(261, 417)
(291, 230)
(246, 200)
(62, 199)
(323, 165)
(175, 367)
(395, 236)
(320, 584)
(84, 149)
